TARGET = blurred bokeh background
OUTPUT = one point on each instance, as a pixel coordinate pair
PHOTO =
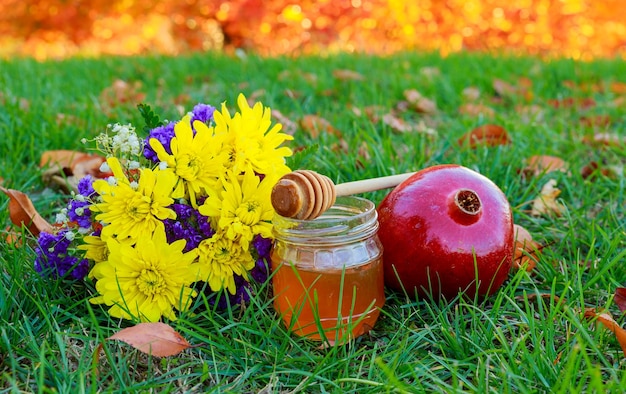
(580, 29)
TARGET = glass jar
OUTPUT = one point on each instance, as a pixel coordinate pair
(328, 273)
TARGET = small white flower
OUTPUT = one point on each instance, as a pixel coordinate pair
(104, 167)
(80, 211)
(163, 165)
(80, 198)
(134, 185)
(83, 140)
(84, 231)
(133, 165)
(70, 235)
(112, 181)
(61, 218)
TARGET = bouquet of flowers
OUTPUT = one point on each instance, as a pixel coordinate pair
(189, 203)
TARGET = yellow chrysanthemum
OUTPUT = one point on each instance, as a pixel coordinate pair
(220, 259)
(249, 141)
(146, 281)
(95, 248)
(134, 211)
(196, 160)
(242, 210)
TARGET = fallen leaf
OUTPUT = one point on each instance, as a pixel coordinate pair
(485, 135)
(596, 121)
(420, 103)
(604, 139)
(620, 298)
(530, 113)
(348, 75)
(477, 109)
(289, 126)
(471, 93)
(23, 212)
(570, 102)
(429, 72)
(545, 203)
(157, 339)
(526, 249)
(607, 320)
(314, 125)
(397, 124)
(543, 164)
(609, 171)
(75, 163)
(503, 88)
(12, 237)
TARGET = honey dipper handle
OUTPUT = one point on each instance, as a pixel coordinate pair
(369, 185)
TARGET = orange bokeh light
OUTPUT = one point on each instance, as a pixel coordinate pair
(580, 29)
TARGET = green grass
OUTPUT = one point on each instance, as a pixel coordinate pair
(510, 342)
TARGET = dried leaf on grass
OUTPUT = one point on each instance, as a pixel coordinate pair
(289, 126)
(620, 298)
(485, 135)
(543, 164)
(348, 75)
(570, 102)
(314, 125)
(604, 139)
(74, 163)
(545, 203)
(121, 92)
(526, 249)
(477, 109)
(419, 103)
(471, 93)
(157, 339)
(607, 320)
(594, 168)
(23, 212)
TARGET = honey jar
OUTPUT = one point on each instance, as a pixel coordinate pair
(328, 273)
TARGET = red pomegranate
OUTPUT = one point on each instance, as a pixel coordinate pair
(446, 229)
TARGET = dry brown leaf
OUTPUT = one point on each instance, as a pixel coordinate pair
(543, 164)
(504, 88)
(477, 109)
(314, 125)
(485, 135)
(429, 73)
(23, 212)
(12, 237)
(525, 249)
(289, 126)
(420, 103)
(156, 339)
(396, 124)
(471, 93)
(596, 121)
(530, 113)
(545, 203)
(570, 102)
(120, 93)
(604, 139)
(620, 298)
(74, 163)
(348, 75)
(607, 320)
(255, 96)
(609, 171)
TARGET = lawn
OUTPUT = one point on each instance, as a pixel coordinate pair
(531, 336)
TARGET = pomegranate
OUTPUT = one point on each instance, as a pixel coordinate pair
(446, 229)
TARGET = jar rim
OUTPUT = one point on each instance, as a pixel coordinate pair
(349, 216)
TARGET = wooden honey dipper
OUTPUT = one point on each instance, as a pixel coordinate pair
(305, 194)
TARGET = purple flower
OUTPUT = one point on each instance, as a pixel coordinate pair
(162, 133)
(54, 259)
(85, 186)
(203, 113)
(79, 212)
(189, 225)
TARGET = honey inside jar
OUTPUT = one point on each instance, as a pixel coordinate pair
(312, 300)
(327, 273)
